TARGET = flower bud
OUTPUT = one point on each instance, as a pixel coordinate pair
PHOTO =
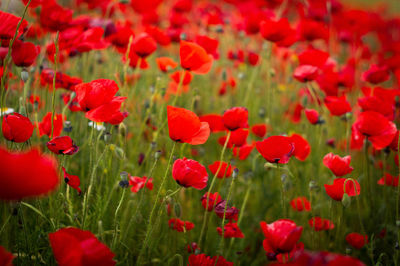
(235, 173)
(346, 200)
(24, 75)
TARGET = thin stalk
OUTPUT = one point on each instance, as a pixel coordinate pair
(53, 98)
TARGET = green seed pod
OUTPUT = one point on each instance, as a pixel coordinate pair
(24, 75)
(346, 200)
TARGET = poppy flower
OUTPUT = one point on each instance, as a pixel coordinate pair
(138, 183)
(235, 117)
(320, 224)
(376, 74)
(313, 57)
(37, 177)
(231, 213)
(356, 240)
(312, 116)
(17, 127)
(95, 93)
(62, 145)
(189, 173)
(177, 76)
(214, 121)
(62, 80)
(305, 73)
(144, 45)
(73, 246)
(231, 230)
(276, 149)
(225, 170)
(300, 204)
(213, 199)
(322, 258)
(281, 236)
(244, 151)
(253, 58)
(389, 180)
(376, 127)
(302, 147)
(179, 225)
(338, 165)
(200, 260)
(72, 181)
(185, 126)
(194, 58)
(336, 190)
(259, 130)
(337, 106)
(9, 26)
(55, 17)
(108, 112)
(6, 257)
(275, 30)
(24, 53)
(166, 63)
(209, 44)
(238, 138)
(45, 127)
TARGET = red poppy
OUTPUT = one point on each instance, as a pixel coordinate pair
(276, 149)
(338, 165)
(281, 236)
(24, 53)
(9, 27)
(209, 44)
(300, 204)
(376, 127)
(138, 183)
(17, 127)
(200, 260)
(62, 80)
(235, 117)
(62, 145)
(55, 17)
(213, 199)
(231, 230)
(275, 30)
(73, 246)
(231, 213)
(302, 147)
(45, 126)
(225, 170)
(6, 257)
(177, 75)
(389, 180)
(185, 126)
(312, 116)
(313, 57)
(72, 181)
(214, 121)
(95, 93)
(244, 151)
(356, 240)
(37, 177)
(259, 130)
(320, 224)
(305, 73)
(238, 138)
(166, 63)
(337, 106)
(194, 58)
(376, 74)
(189, 173)
(336, 190)
(253, 58)
(179, 225)
(108, 112)
(144, 45)
(322, 258)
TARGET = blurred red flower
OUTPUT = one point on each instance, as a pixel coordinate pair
(62, 145)
(189, 173)
(338, 165)
(276, 149)
(17, 127)
(72, 181)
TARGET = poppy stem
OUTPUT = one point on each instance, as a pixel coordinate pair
(53, 98)
(283, 200)
(181, 78)
(6, 62)
(205, 219)
(149, 227)
(221, 243)
(116, 217)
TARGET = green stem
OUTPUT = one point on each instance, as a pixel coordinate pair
(53, 98)
(149, 227)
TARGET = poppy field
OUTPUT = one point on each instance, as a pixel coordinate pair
(185, 132)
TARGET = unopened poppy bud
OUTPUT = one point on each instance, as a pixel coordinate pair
(146, 105)
(397, 247)
(67, 126)
(312, 185)
(153, 145)
(107, 137)
(177, 209)
(398, 223)
(235, 173)
(183, 36)
(124, 2)
(24, 75)
(119, 152)
(141, 158)
(346, 200)
(220, 29)
(348, 251)
(261, 112)
(124, 183)
(157, 154)
(122, 129)
(152, 88)
(348, 115)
